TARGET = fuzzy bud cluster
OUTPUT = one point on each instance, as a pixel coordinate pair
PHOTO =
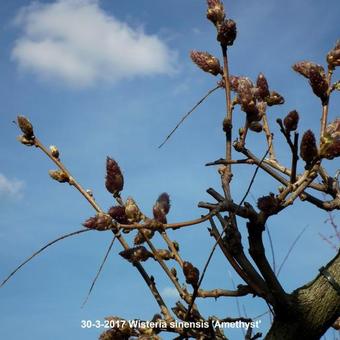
(206, 62)
(330, 141)
(333, 56)
(227, 32)
(215, 12)
(262, 87)
(308, 148)
(191, 273)
(114, 178)
(291, 121)
(268, 204)
(136, 254)
(118, 214)
(99, 222)
(161, 208)
(317, 78)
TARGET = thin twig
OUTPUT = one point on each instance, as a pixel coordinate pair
(187, 114)
(42, 249)
(99, 271)
(271, 248)
(290, 250)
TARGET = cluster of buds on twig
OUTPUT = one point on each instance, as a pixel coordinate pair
(99, 222)
(291, 121)
(333, 56)
(317, 78)
(136, 254)
(114, 178)
(122, 329)
(27, 129)
(226, 28)
(330, 141)
(308, 148)
(191, 274)
(253, 99)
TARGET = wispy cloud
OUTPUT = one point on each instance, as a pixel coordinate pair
(10, 187)
(77, 42)
(170, 292)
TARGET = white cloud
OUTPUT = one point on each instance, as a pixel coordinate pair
(170, 292)
(10, 188)
(75, 41)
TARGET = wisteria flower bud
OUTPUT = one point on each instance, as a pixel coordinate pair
(275, 99)
(215, 12)
(246, 97)
(333, 56)
(132, 211)
(255, 126)
(262, 87)
(165, 254)
(59, 175)
(304, 68)
(140, 239)
(54, 151)
(206, 62)
(268, 204)
(118, 214)
(136, 254)
(308, 148)
(291, 121)
(227, 32)
(191, 274)
(319, 83)
(99, 222)
(330, 141)
(161, 208)
(26, 127)
(114, 178)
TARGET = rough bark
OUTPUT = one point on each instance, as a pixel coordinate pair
(316, 306)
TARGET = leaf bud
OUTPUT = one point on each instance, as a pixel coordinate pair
(59, 176)
(114, 178)
(206, 62)
(291, 121)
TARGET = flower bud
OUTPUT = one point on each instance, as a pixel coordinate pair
(304, 67)
(191, 273)
(140, 239)
(333, 56)
(268, 204)
(246, 97)
(136, 254)
(165, 254)
(114, 178)
(275, 99)
(161, 208)
(54, 151)
(227, 32)
(319, 83)
(330, 141)
(215, 12)
(132, 211)
(99, 222)
(118, 214)
(26, 127)
(255, 126)
(308, 148)
(291, 121)
(262, 87)
(206, 62)
(59, 175)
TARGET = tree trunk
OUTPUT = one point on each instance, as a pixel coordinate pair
(315, 307)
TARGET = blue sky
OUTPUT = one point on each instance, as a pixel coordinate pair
(101, 78)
